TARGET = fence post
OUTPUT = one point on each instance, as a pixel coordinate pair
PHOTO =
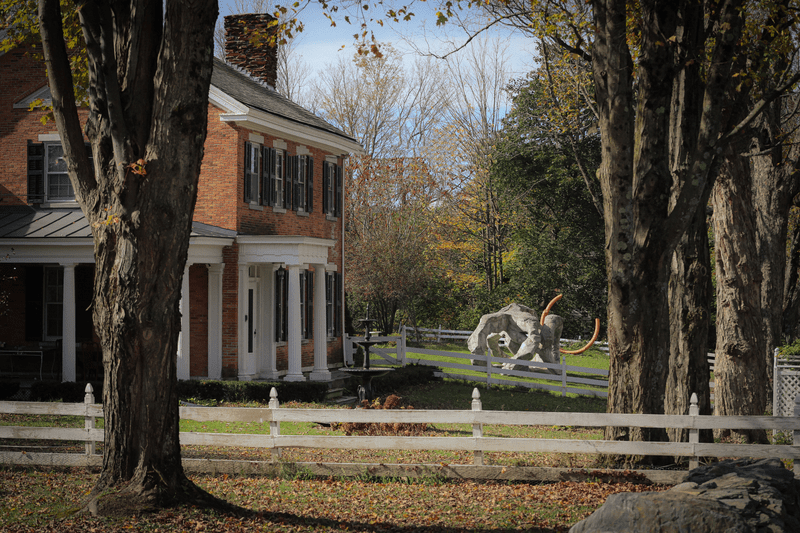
(439, 334)
(88, 423)
(488, 367)
(401, 348)
(694, 433)
(776, 386)
(274, 425)
(477, 429)
(796, 435)
(563, 375)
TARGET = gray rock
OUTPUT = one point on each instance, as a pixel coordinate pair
(741, 495)
(645, 512)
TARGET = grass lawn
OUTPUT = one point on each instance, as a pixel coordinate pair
(593, 359)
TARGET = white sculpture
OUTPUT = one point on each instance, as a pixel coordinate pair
(524, 335)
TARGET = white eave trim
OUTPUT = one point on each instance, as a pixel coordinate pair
(285, 249)
(235, 111)
(47, 250)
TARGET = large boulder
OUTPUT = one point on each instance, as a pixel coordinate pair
(524, 338)
(741, 495)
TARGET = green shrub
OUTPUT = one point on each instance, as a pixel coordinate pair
(251, 391)
(8, 389)
(68, 392)
(399, 378)
(791, 349)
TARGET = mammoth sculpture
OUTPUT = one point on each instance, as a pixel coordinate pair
(525, 336)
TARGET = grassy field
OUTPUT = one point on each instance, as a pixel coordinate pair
(36, 499)
(592, 358)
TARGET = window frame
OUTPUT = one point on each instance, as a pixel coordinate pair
(332, 189)
(333, 307)
(52, 303)
(252, 173)
(302, 171)
(39, 174)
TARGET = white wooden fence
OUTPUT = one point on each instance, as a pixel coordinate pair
(492, 372)
(476, 417)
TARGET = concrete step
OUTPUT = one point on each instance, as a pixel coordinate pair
(344, 400)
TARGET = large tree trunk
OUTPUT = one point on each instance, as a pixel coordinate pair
(648, 205)
(791, 292)
(775, 184)
(689, 296)
(690, 280)
(740, 366)
(149, 78)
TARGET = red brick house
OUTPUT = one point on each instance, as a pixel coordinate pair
(263, 284)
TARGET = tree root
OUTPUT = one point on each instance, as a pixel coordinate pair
(149, 495)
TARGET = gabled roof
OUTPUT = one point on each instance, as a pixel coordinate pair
(246, 99)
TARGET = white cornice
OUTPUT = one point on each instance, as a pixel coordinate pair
(286, 249)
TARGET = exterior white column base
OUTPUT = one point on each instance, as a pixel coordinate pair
(294, 377)
(320, 375)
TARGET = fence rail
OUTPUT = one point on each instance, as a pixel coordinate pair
(476, 417)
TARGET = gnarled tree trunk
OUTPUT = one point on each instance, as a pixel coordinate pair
(689, 296)
(740, 365)
(148, 98)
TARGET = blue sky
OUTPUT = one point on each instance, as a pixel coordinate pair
(320, 44)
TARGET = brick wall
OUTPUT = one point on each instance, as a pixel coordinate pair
(22, 75)
(259, 59)
(230, 312)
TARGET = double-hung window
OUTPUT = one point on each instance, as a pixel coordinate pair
(252, 172)
(48, 181)
(306, 297)
(281, 304)
(306, 304)
(333, 303)
(277, 193)
(332, 189)
(301, 170)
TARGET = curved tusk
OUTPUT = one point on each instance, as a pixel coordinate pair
(547, 309)
(594, 338)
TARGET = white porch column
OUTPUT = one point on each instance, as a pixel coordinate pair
(215, 320)
(184, 337)
(246, 369)
(293, 341)
(320, 372)
(68, 370)
(268, 368)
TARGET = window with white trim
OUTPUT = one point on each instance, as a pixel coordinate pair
(332, 189)
(48, 180)
(333, 303)
(252, 172)
(301, 170)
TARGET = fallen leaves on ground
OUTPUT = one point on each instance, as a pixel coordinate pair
(43, 501)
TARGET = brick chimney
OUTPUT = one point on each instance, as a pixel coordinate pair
(256, 58)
